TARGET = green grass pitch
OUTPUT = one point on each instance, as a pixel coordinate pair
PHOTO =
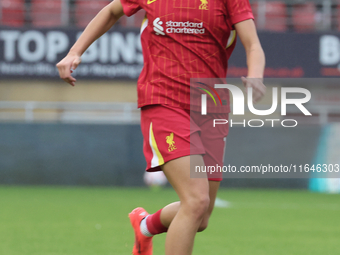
(94, 221)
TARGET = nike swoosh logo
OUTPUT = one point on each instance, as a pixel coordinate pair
(151, 1)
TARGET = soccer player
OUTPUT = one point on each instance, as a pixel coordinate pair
(181, 39)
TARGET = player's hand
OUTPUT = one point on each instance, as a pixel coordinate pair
(259, 89)
(66, 67)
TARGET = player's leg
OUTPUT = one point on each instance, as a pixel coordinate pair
(148, 225)
(168, 213)
(194, 203)
(214, 144)
(168, 140)
(213, 188)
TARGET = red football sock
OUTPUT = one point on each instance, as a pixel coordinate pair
(154, 224)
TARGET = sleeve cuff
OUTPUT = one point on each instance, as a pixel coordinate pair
(242, 17)
(129, 8)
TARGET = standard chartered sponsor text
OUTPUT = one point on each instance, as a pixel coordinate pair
(176, 27)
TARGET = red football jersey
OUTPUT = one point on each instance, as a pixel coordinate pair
(183, 40)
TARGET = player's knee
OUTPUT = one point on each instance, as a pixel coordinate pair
(202, 204)
(198, 205)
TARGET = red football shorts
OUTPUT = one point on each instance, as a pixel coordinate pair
(168, 135)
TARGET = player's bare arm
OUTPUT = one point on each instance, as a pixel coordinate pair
(100, 24)
(255, 58)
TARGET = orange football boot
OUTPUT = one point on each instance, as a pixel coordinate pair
(143, 244)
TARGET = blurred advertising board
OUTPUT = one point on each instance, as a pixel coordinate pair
(293, 55)
(29, 52)
(35, 52)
